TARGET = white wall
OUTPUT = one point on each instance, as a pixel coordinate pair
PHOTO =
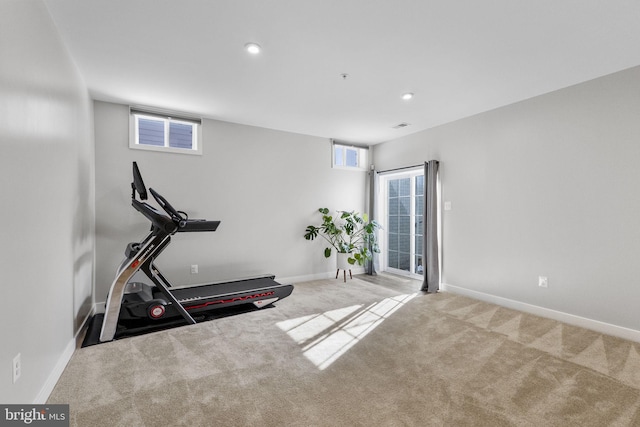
(545, 187)
(264, 186)
(46, 188)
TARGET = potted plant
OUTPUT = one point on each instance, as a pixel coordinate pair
(349, 233)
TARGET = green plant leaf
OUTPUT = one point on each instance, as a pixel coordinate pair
(348, 228)
(311, 232)
(323, 211)
(327, 252)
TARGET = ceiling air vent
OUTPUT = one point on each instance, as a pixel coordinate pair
(401, 125)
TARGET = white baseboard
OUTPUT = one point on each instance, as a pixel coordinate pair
(99, 307)
(583, 322)
(55, 374)
(63, 360)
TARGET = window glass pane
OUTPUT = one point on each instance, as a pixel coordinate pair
(338, 152)
(419, 268)
(420, 185)
(419, 210)
(150, 132)
(404, 261)
(405, 225)
(404, 205)
(418, 225)
(393, 259)
(393, 224)
(418, 245)
(352, 158)
(393, 206)
(404, 243)
(404, 188)
(181, 135)
(419, 205)
(393, 188)
(393, 242)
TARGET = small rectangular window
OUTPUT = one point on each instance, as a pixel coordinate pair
(160, 132)
(349, 156)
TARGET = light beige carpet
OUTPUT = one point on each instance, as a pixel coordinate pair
(371, 352)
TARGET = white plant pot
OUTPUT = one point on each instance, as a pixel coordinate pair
(342, 262)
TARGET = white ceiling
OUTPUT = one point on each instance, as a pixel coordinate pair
(459, 57)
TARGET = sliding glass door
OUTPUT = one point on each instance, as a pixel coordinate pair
(404, 205)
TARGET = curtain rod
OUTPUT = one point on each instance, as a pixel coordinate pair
(402, 168)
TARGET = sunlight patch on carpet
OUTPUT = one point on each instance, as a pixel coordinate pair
(327, 336)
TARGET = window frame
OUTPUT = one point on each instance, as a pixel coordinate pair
(167, 119)
(362, 155)
(383, 207)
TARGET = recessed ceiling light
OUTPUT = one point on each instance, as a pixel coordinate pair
(407, 96)
(253, 48)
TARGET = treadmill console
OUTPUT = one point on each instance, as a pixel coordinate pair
(137, 186)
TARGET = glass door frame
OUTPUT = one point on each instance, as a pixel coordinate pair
(383, 210)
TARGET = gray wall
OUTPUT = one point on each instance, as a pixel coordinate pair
(264, 186)
(46, 188)
(549, 186)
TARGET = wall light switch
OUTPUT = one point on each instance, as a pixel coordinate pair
(543, 282)
(447, 206)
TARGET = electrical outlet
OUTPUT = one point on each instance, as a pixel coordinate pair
(194, 269)
(543, 282)
(17, 368)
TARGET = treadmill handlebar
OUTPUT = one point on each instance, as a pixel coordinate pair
(164, 204)
(157, 218)
(173, 224)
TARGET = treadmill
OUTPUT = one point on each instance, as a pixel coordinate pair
(143, 296)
